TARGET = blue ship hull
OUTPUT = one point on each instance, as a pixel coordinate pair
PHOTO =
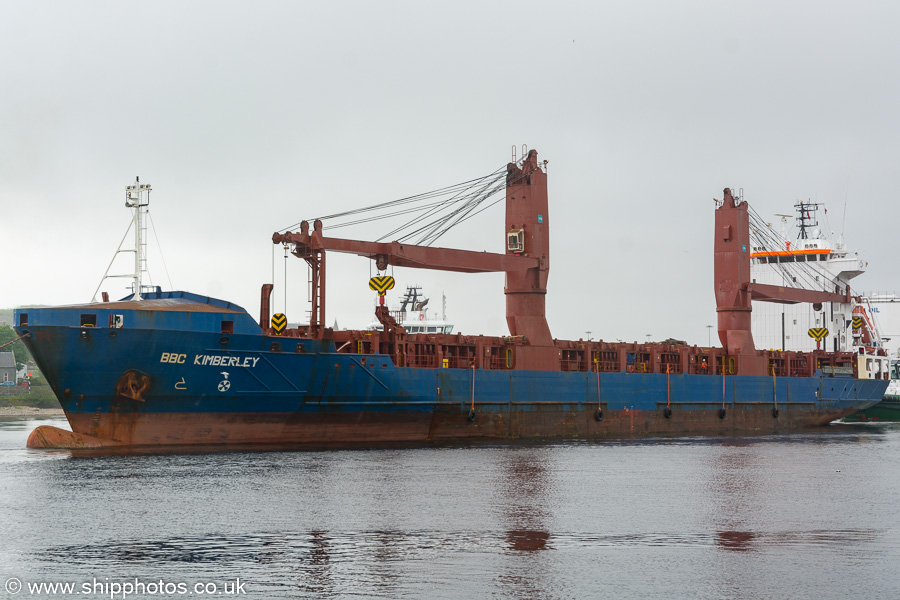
(168, 375)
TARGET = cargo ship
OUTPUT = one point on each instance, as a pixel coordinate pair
(176, 369)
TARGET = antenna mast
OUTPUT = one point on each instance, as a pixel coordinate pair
(807, 218)
(134, 198)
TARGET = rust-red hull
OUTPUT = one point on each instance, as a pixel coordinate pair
(349, 429)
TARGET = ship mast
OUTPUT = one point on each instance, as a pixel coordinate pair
(135, 199)
(806, 219)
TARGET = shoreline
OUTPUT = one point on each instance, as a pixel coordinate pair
(30, 411)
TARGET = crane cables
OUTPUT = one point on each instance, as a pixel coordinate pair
(796, 274)
(432, 213)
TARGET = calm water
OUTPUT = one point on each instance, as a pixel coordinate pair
(804, 516)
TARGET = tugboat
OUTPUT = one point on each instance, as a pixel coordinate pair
(889, 407)
(886, 308)
(182, 370)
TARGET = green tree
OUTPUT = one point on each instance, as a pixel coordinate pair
(8, 334)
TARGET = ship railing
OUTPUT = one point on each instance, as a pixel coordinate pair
(500, 358)
(725, 365)
(639, 361)
(605, 360)
(789, 367)
(461, 360)
(573, 359)
(421, 355)
(572, 365)
(423, 362)
(798, 367)
(777, 366)
(639, 366)
(670, 367)
(605, 366)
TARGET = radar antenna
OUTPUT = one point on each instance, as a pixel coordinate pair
(807, 218)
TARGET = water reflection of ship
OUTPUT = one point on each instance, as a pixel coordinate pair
(319, 558)
(526, 503)
(527, 540)
(525, 489)
(733, 483)
(736, 541)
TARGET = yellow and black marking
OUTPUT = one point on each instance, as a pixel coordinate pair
(817, 333)
(381, 284)
(857, 322)
(279, 322)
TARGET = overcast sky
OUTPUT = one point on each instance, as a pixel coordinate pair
(247, 117)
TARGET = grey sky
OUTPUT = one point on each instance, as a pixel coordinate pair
(247, 117)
